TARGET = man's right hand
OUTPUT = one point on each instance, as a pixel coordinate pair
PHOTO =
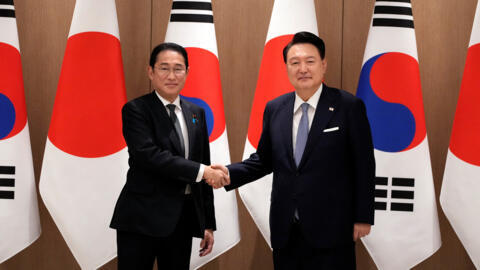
(216, 176)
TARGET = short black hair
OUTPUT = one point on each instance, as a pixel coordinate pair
(168, 46)
(305, 37)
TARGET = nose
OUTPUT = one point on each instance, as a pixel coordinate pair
(171, 75)
(303, 67)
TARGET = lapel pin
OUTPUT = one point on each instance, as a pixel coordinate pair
(331, 109)
(194, 118)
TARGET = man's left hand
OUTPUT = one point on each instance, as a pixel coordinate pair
(207, 243)
(360, 230)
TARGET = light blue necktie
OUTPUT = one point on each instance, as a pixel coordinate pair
(302, 134)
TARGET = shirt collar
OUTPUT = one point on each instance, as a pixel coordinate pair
(312, 101)
(166, 102)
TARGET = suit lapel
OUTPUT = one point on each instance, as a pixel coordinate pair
(286, 115)
(188, 115)
(160, 110)
(327, 104)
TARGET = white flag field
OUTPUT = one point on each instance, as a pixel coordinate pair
(406, 230)
(192, 26)
(19, 219)
(460, 198)
(85, 161)
(288, 17)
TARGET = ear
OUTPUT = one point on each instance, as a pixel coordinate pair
(150, 72)
(324, 63)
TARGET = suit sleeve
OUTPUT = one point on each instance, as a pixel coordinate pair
(363, 163)
(207, 191)
(259, 163)
(145, 153)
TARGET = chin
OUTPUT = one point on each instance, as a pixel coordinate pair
(305, 85)
(172, 91)
(305, 82)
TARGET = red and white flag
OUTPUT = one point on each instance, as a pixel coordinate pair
(406, 229)
(461, 181)
(288, 17)
(19, 220)
(85, 161)
(191, 25)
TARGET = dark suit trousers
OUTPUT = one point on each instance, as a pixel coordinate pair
(138, 251)
(300, 255)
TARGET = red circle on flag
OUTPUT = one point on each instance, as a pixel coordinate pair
(203, 82)
(86, 119)
(395, 77)
(465, 140)
(11, 85)
(272, 82)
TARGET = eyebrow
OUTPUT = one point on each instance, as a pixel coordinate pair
(298, 57)
(176, 64)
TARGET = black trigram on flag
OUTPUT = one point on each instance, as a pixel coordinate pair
(399, 194)
(6, 9)
(7, 181)
(191, 11)
(393, 13)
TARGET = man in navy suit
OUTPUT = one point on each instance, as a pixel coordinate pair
(317, 143)
(164, 202)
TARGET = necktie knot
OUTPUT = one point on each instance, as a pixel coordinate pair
(171, 108)
(304, 107)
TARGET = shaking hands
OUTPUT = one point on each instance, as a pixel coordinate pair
(216, 176)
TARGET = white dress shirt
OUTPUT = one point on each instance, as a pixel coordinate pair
(297, 112)
(297, 115)
(183, 127)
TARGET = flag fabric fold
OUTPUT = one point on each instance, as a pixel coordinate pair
(85, 160)
(192, 26)
(406, 229)
(288, 17)
(19, 218)
(461, 180)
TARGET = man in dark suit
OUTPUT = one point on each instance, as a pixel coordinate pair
(318, 145)
(164, 202)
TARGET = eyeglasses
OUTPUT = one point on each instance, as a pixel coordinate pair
(178, 71)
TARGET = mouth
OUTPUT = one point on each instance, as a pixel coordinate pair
(304, 78)
(171, 84)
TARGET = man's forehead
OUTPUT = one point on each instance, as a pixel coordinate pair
(170, 57)
(167, 63)
(303, 50)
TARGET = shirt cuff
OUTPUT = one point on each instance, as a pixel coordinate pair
(200, 173)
